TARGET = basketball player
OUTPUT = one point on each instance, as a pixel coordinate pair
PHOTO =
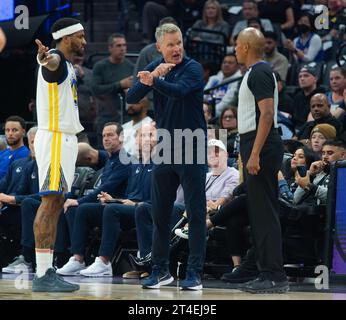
(2, 40)
(55, 144)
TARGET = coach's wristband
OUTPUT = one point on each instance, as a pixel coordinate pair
(41, 63)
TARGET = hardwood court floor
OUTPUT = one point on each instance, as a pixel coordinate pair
(13, 287)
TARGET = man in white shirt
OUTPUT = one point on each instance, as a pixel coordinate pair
(138, 114)
(224, 94)
(250, 10)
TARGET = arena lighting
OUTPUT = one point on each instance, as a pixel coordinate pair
(20, 38)
(66, 6)
(6, 10)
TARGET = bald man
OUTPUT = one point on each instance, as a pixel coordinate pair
(90, 157)
(2, 40)
(261, 150)
(320, 111)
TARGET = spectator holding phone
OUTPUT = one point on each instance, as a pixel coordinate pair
(302, 158)
(315, 192)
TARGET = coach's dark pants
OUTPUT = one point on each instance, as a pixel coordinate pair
(10, 223)
(263, 205)
(111, 218)
(165, 181)
(144, 225)
(81, 219)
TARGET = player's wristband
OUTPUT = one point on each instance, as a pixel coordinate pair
(41, 63)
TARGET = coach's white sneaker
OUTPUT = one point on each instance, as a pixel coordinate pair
(71, 268)
(98, 269)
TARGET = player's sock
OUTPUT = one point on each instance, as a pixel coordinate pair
(44, 261)
(52, 257)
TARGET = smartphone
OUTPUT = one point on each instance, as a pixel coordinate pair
(302, 170)
(113, 201)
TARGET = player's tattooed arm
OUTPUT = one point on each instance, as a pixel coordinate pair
(49, 60)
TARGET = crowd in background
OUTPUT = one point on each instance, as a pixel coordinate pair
(311, 117)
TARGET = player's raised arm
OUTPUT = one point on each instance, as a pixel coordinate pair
(49, 60)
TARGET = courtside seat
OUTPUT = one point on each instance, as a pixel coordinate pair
(82, 178)
(93, 183)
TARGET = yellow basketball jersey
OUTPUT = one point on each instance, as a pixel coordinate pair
(57, 103)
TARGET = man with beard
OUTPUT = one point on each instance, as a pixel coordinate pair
(315, 183)
(320, 111)
(56, 145)
(277, 61)
(14, 132)
(138, 113)
(111, 77)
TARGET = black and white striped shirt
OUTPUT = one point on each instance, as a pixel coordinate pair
(259, 83)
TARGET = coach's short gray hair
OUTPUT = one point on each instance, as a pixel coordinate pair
(166, 28)
(31, 131)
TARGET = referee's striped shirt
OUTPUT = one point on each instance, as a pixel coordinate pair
(258, 83)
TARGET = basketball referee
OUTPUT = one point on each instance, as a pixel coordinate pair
(261, 150)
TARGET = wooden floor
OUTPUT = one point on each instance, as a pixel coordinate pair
(99, 289)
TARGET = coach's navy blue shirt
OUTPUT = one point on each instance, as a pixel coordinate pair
(103, 157)
(139, 185)
(28, 184)
(178, 97)
(113, 180)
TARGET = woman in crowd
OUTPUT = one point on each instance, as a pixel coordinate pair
(302, 157)
(337, 83)
(319, 134)
(307, 47)
(212, 20)
(228, 121)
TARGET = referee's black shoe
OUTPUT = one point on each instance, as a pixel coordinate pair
(240, 275)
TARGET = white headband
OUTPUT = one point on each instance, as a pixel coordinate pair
(67, 31)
